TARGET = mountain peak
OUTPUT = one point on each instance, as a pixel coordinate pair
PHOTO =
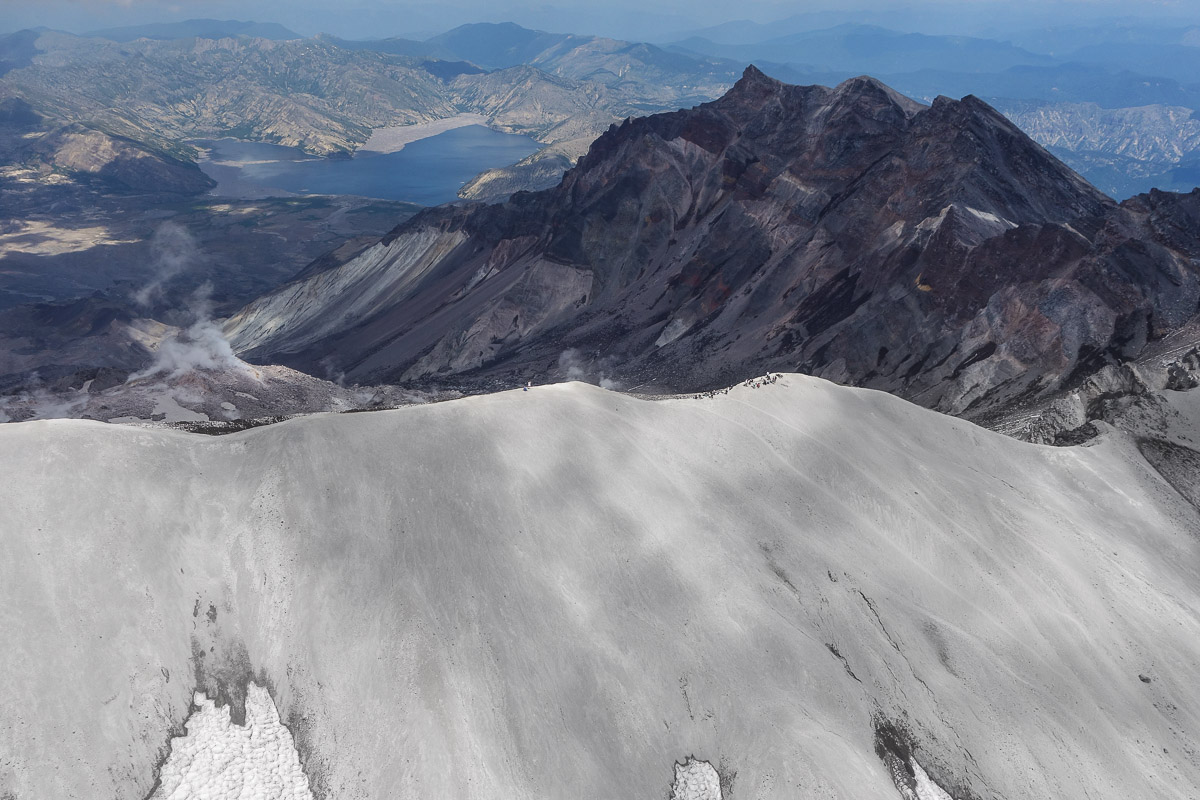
(753, 74)
(863, 83)
(755, 86)
(865, 87)
(754, 83)
(848, 232)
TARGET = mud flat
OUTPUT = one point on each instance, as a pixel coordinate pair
(393, 140)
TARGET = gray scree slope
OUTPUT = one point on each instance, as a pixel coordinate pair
(561, 592)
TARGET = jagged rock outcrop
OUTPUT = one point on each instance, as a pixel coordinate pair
(935, 252)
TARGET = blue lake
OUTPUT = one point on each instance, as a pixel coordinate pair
(428, 171)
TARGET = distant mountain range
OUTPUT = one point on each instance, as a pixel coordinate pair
(17, 50)
(1162, 53)
(873, 50)
(197, 28)
(1123, 151)
(934, 252)
(326, 94)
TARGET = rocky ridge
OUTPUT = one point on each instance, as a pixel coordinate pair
(963, 604)
(935, 252)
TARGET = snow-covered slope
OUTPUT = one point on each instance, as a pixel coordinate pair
(566, 592)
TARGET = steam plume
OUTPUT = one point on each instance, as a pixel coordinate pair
(578, 368)
(173, 250)
(200, 346)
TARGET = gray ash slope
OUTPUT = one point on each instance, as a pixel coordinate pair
(934, 252)
(563, 592)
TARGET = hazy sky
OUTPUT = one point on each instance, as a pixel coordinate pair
(661, 19)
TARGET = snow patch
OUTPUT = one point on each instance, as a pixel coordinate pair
(218, 760)
(987, 216)
(926, 788)
(994, 223)
(675, 328)
(697, 780)
(168, 406)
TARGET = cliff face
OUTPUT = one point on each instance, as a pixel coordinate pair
(934, 252)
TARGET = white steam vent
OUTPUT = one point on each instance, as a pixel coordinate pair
(218, 760)
(696, 780)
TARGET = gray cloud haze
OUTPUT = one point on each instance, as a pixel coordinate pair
(664, 19)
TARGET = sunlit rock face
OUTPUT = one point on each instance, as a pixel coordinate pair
(220, 760)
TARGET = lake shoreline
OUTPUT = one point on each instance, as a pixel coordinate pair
(436, 161)
(394, 139)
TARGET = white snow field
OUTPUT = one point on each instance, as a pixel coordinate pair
(218, 760)
(696, 780)
(567, 592)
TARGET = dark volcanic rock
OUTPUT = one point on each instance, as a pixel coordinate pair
(934, 252)
(64, 344)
